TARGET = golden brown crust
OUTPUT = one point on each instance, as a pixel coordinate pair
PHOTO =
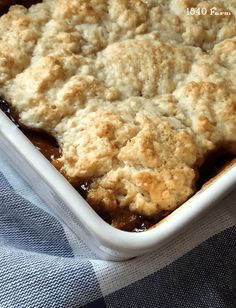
(127, 89)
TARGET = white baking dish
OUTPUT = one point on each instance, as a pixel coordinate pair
(68, 206)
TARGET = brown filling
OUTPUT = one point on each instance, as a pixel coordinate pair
(121, 218)
(43, 141)
(5, 6)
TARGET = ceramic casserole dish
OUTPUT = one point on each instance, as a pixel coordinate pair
(106, 241)
(138, 100)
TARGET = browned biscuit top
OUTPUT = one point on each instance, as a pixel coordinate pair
(137, 93)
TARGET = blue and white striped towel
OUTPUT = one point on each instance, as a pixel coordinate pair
(42, 264)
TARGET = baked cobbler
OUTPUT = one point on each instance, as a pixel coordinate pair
(137, 94)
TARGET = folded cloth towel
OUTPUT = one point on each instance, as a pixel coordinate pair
(42, 263)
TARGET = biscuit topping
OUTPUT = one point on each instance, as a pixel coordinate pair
(136, 93)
